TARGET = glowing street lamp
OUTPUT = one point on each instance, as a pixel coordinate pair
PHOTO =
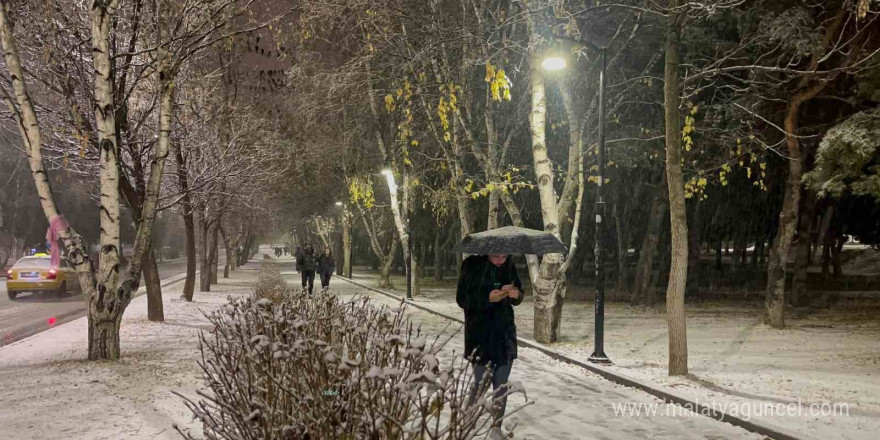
(553, 63)
(390, 176)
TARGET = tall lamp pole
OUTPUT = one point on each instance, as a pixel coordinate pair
(559, 63)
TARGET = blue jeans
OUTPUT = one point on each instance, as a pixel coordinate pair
(500, 375)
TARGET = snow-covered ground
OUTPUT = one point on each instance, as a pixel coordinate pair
(49, 391)
(825, 358)
(570, 402)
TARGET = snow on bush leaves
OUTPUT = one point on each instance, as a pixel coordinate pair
(289, 366)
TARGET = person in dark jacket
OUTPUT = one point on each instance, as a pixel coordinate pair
(488, 290)
(326, 267)
(307, 264)
(297, 254)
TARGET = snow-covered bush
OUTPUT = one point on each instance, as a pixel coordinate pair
(316, 367)
(270, 284)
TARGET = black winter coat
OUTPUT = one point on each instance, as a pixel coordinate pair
(490, 330)
(326, 264)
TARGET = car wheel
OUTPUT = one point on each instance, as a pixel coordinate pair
(12, 294)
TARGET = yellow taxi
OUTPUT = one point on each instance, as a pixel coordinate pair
(36, 274)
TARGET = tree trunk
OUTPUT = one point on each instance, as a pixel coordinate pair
(387, 263)
(775, 298)
(104, 338)
(545, 293)
(622, 247)
(438, 255)
(346, 243)
(227, 250)
(494, 202)
(824, 226)
(836, 251)
(678, 364)
(693, 279)
(155, 310)
(215, 251)
(189, 285)
(799, 295)
(204, 257)
(755, 253)
(106, 308)
(807, 89)
(643, 289)
(246, 249)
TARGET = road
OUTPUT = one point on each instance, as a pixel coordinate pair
(30, 314)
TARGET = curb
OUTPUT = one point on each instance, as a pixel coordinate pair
(140, 292)
(769, 430)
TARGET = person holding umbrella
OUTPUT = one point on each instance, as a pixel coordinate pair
(488, 290)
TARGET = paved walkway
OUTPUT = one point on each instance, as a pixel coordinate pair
(50, 392)
(570, 402)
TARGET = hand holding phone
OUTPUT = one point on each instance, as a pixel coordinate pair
(496, 295)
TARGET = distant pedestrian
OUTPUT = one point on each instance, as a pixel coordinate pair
(307, 264)
(297, 254)
(488, 290)
(326, 266)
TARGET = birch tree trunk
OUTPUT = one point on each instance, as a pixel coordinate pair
(545, 295)
(403, 233)
(106, 307)
(106, 297)
(25, 117)
(678, 362)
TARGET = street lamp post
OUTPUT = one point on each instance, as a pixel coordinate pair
(559, 63)
(392, 188)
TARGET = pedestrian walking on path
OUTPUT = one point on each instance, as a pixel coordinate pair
(326, 266)
(297, 254)
(488, 290)
(307, 264)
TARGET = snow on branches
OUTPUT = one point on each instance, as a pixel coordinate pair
(321, 368)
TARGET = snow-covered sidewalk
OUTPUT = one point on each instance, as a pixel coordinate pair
(570, 402)
(825, 358)
(49, 391)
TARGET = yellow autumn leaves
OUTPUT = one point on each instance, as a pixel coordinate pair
(360, 189)
(499, 83)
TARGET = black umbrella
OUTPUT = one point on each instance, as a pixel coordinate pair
(511, 240)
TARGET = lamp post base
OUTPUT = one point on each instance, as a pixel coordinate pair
(599, 358)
